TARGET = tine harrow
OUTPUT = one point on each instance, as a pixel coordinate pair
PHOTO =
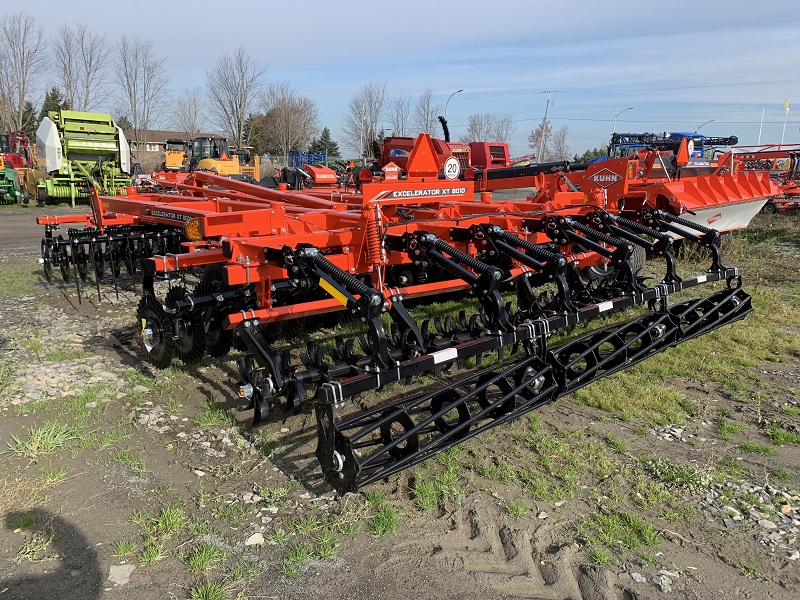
(258, 268)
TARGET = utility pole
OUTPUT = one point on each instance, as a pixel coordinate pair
(544, 126)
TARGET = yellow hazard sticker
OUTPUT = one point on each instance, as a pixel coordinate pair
(333, 291)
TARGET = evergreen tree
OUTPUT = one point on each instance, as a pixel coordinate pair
(591, 154)
(30, 121)
(325, 144)
(53, 100)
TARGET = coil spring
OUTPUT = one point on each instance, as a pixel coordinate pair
(526, 245)
(374, 251)
(684, 222)
(472, 262)
(593, 233)
(353, 284)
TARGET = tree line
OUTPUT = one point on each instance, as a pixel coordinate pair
(85, 70)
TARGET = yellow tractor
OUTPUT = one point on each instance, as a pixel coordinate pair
(176, 157)
(213, 154)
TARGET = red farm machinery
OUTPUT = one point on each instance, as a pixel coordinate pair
(374, 261)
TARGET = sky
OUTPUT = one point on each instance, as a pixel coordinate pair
(678, 64)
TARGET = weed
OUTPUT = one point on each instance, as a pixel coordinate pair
(373, 497)
(199, 526)
(61, 355)
(676, 475)
(273, 496)
(169, 520)
(34, 546)
(780, 436)
(516, 508)
(305, 524)
(756, 448)
(683, 513)
(233, 514)
(171, 406)
(278, 536)
(326, 546)
(426, 494)
(780, 473)
(213, 415)
(619, 530)
(23, 521)
(209, 590)
(108, 438)
(384, 521)
(124, 548)
(43, 440)
(164, 490)
(289, 569)
(125, 455)
(202, 557)
(200, 498)
(599, 556)
(140, 518)
(152, 552)
(299, 553)
(727, 428)
(349, 527)
(616, 443)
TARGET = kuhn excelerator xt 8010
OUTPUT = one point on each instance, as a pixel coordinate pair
(371, 259)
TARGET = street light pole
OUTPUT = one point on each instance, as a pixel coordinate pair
(448, 102)
(706, 123)
(618, 114)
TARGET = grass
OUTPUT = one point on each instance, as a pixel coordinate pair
(233, 514)
(756, 448)
(384, 521)
(727, 428)
(675, 475)
(212, 415)
(325, 546)
(42, 440)
(202, 557)
(516, 508)
(296, 558)
(780, 436)
(152, 552)
(18, 277)
(305, 524)
(209, 590)
(54, 475)
(63, 355)
(618, 531)
(23, 521)
(124, 548)
(169, 520)
(780, 474)
(278, 536)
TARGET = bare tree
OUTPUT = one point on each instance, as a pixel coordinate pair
(233, 86)
(292, 120)
(400, 115)
(187, 112)
(141, 79)
(80, 61)
(502, 128)
(488, 127)
(558, 144)
(360, 124)
(22, 59)
(554, 144)
(425, 114)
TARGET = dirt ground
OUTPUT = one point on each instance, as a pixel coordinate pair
(153, 468)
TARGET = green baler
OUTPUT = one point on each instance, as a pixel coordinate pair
(79, 150)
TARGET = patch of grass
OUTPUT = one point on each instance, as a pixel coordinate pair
(169, 520)
(348, 527)
(631, 395)
(152, 552)
(278, 536)
(375, 498)
(599, 556)
(54, 475)
(126, 456)
(619, 531)
(209, 590)
(23, 521)
(172, 406)
(516, 508)
(33, 547)
(384, 521)
(677, 515)
(756, 448)
(61, 355)
(325, 546)
(18, 277)
(124, 548)
(212, 415)
(780, 436)
(231, 513)
(305, 524)
(426, 494)
(616, 443)
(780, 474)
(199, 526)
(140, 518)
(675, 475)
(42, 440)
(273, 496)
(202, 557)
(108, 438)
(727, 428)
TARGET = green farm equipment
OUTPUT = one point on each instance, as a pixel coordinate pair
(80, 150)
(10, 190)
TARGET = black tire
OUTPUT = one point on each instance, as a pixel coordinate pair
(26, 196)
(159, 347)
(191, 343)
(769, 209)
(41, 196)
